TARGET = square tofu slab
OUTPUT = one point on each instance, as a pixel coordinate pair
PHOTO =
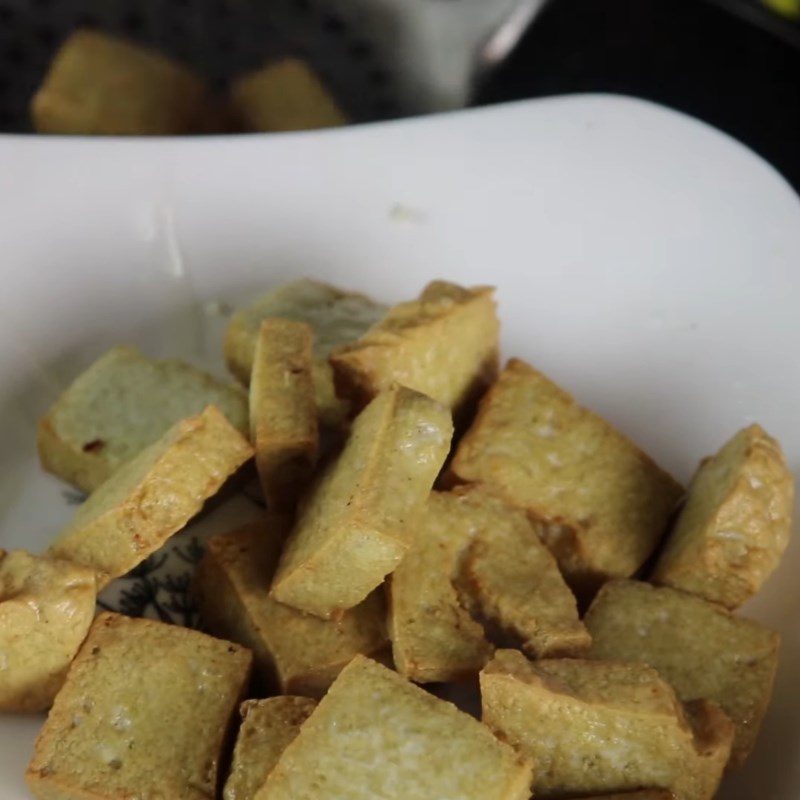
(593, 727)
(434, 638)
(98, 84)
(355, 525)
(335, 316)
(268, 727)
(46, 608)
(121, 404)
(445, 345)
(153, 496)
(736, 523)
(283, 411)
(284, 95)
(700, 648)
(376, 735)
(295, 652)
(145, 712)
(601, 503)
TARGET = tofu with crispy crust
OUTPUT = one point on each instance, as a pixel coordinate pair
(335, 316)
(99, 84)
(356, 524)
(284, 95)
(700, 648)
(736, 523)
(600, 503)
(513, 581)
(46, 608)
(268, 727)
(594, 727)
(121, 404)
(152, 496)
(486, 574)
(283, 411)
(444, 344)
(374, 734)
(104, 737)
(434, 637)
(295, 652)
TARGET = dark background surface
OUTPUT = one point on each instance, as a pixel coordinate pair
(738, 71)
(692, 55)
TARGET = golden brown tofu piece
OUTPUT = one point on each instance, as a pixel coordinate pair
(445, 345)
(268, 727)
(133, 679)
(335, 317)
(46, 608)
(283, 411)
(356, 524)
(736, 523)
(601, 504)
(483, 563)
(119, 405)
(284, 95)
(513, 579)
(593, 727)
(377, 735)
(153, 496)
(434, 638)
(295, 652)
(700, 648)
(98, 84)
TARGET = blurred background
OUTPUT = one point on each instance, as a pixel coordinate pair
(733, 63)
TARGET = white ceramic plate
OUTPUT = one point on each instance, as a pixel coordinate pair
(647, 262)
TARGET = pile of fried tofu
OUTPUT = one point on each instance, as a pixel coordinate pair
(432, 525)
(99, 84)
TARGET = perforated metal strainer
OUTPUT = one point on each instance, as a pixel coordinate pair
(382, 58)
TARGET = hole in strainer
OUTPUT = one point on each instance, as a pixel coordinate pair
(47, 36)
(133, 22)
(85, 20)
(333, 24)
(378, 77)
(15, 54)
(360, 50)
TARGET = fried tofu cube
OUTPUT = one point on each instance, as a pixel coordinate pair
(46, 608)
(105, 735)
(434, 638)
(445, 345)
(283, 411)
(119, 405)
(268, 727)
(356, 524)
(98, 84)
(601, 504)
(483, 563)
(513, 579)
(376, 735)
(700, 648)
(736, 523)
(593, 727)
(153, 496)
(335, 317)
(285, 95)
(295, 652)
